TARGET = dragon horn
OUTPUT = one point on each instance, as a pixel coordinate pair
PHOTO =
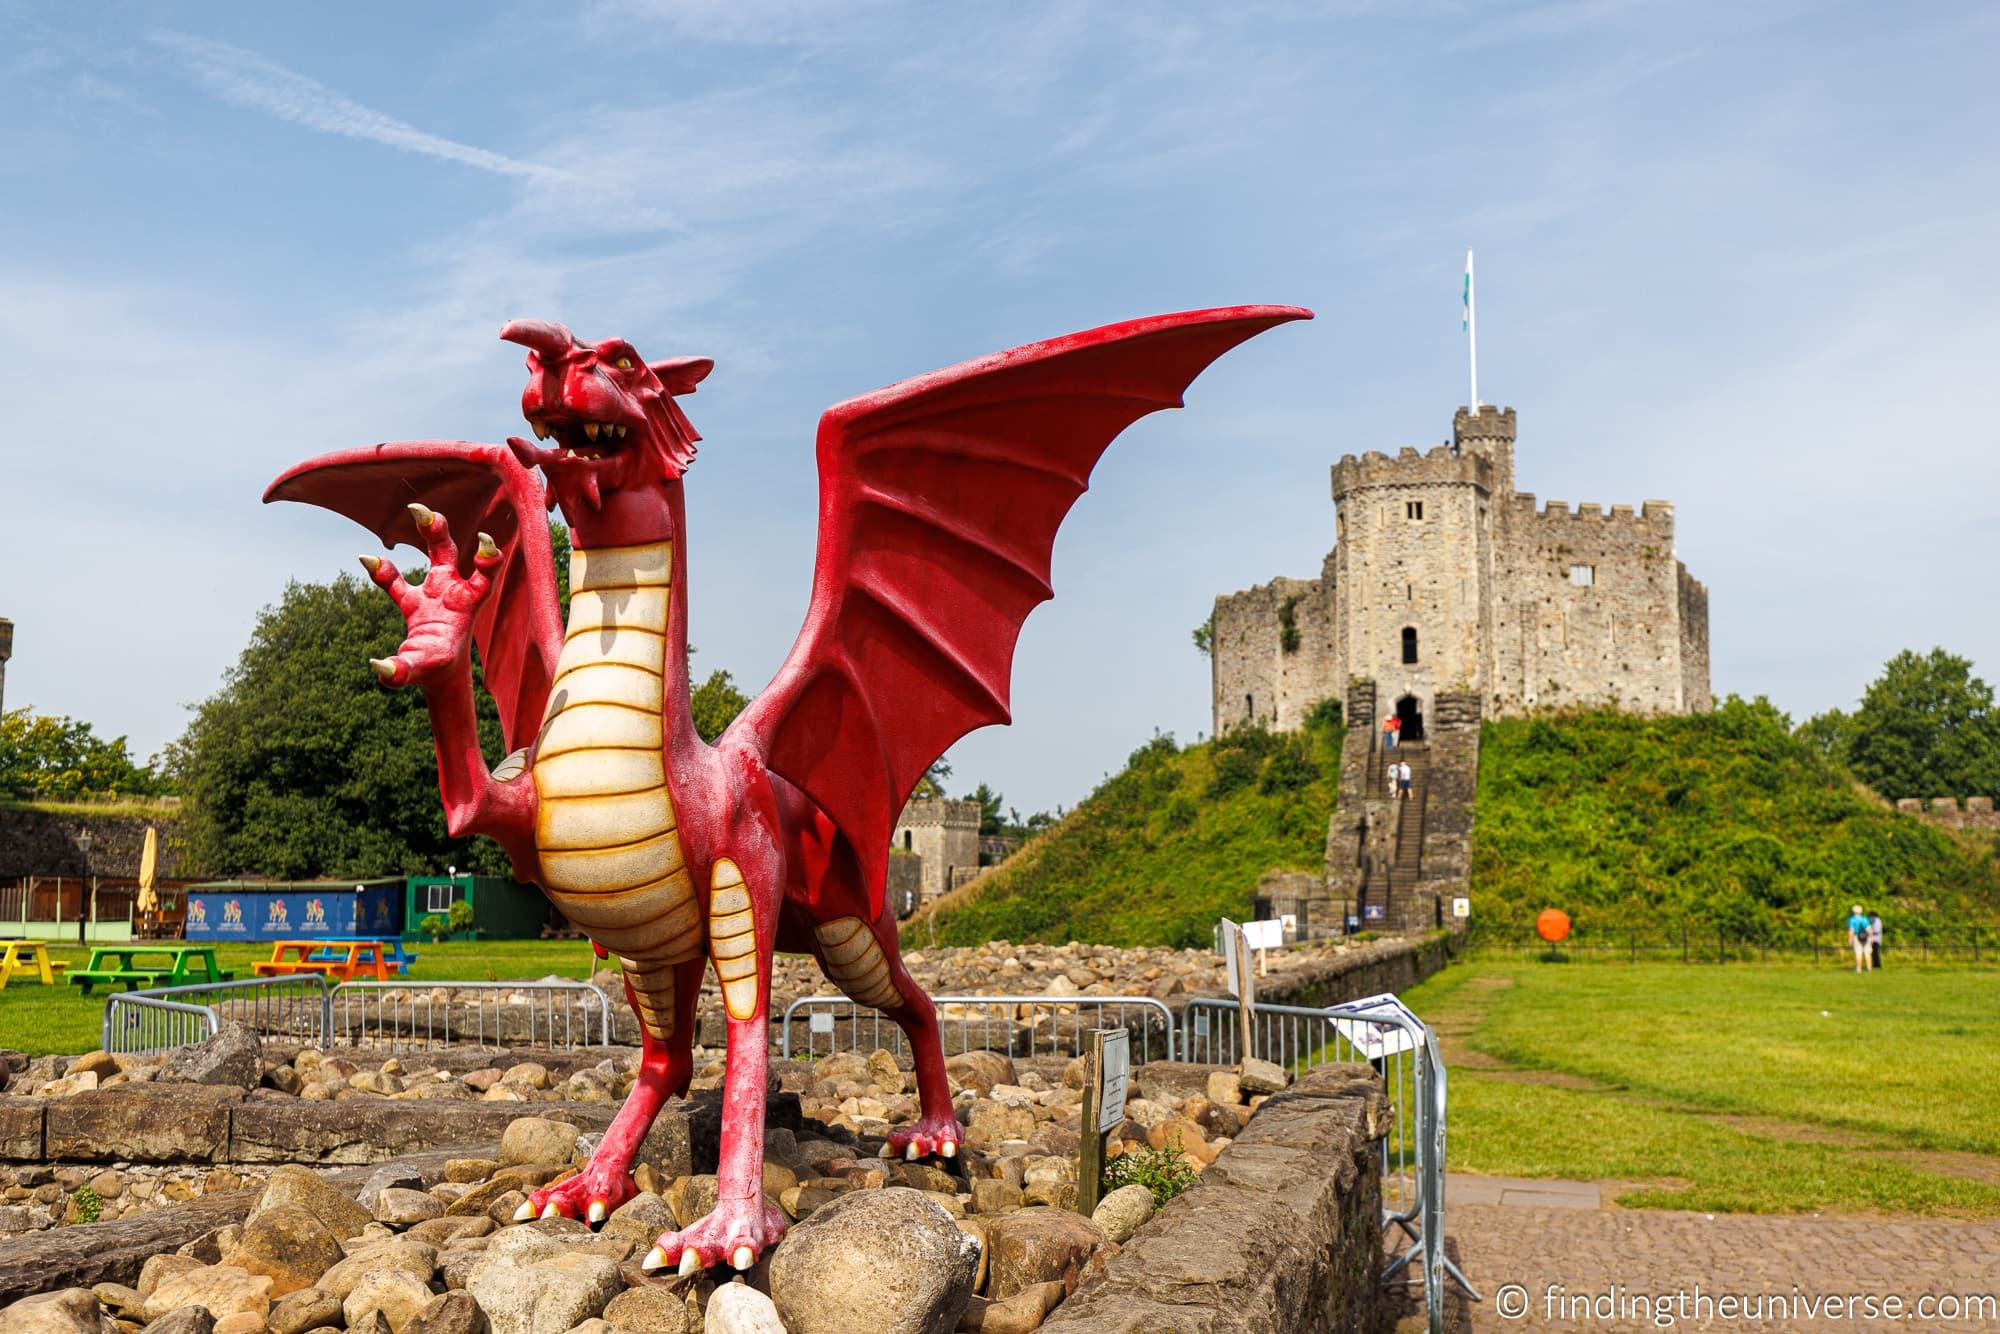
(549, 340)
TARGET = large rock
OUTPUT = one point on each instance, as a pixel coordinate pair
(1255, 1076)
(158, 1268)
(412, 1257)
(642, 1218)
(232, 1057)
(342, 1215)
(652, 1309)
(223, 1289)
(1033, 1246)
(980, 1070)
(883, 1260)
(65, 1311)
(535, 1139)
(548, 1297)
(738, 1309)
(398, 1295)
(450, 1313)
(304, 1310)
(1123, 1212)
(399, 1207)
(288, 1243)
(141, 1123)
(191, 1320)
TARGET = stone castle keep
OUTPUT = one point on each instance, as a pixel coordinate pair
(1443, 578)
(1449, 598)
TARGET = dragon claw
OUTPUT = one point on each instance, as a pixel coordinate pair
(596, 1213)
(526, 1212)
(423, 514)
(690, 1261)
(387, 670)
(371, 564)
(940, 1135)
(552, 1210)
(742, 1258)
(488, 549)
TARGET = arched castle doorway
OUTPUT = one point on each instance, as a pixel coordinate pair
(1411, 712)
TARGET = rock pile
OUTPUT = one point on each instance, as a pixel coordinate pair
(988, 1241)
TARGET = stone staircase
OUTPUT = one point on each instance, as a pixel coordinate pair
(1396, 864)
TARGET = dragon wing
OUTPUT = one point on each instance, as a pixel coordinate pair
(518, 628)
(939, 503)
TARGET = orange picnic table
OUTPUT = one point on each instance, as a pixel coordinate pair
(343, 962)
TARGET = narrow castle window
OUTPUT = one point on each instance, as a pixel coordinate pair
(1413, 509)
(909, 841)
(1409, 643)
(1250, 706)
(1583, 576)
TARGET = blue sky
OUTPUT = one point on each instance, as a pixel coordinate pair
(1735, 256)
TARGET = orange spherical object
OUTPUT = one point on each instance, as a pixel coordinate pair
(1552, 925)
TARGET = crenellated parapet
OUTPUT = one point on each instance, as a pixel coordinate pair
(1441, 465)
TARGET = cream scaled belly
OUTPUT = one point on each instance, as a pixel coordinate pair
(606, 836)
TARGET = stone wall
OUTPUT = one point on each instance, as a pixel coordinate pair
(1696, 696)
(1452, 789)
(1370, 970)
(1972, 813)
(1283, 1232)
(1252, 674)
(1614, 639)
(38, 843)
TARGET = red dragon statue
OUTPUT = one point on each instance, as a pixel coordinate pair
(939, 503)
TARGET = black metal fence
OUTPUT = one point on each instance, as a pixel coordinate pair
(1705, 942)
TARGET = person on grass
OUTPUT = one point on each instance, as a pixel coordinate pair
(1874, 940)
(1857, 935)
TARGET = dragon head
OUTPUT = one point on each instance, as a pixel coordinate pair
(610, 417)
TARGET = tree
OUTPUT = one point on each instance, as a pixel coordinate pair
(1204, 636)
(931, 785)
(715, 703)
(989, 809)
(1927, 727)
(1830, 733)
(51, 757)
(300, 766)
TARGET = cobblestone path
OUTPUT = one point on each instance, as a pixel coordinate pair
(1557, 1239)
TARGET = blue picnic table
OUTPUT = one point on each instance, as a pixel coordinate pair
(393, 953)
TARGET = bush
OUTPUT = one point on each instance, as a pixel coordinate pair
(461, 915)
(1162, 1171)
(85, 1206)
(437, 926)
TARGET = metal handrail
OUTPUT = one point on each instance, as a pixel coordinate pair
(355, 1000)
(1152, 1009)
(158, 1024)
(264, 1003)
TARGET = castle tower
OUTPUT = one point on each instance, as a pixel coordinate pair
(1413, 563)
(1491, 433)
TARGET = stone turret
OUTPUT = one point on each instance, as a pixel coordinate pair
(6, 652)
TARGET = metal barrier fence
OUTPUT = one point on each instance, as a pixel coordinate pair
(1413, 1078)
(295, 1008)
(550, 1013)
(1706, 943)
(1017, 1025)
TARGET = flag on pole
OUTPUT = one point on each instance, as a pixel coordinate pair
(1469, 323)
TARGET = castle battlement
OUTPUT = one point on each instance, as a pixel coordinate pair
(1651, 513)
(1441, 465)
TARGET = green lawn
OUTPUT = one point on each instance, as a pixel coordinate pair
(1738, 1088)
(38, 1019)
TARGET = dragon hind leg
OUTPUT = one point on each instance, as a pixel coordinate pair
(666, 1062)
(865, 962)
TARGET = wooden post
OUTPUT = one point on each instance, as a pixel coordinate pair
(1090, 1167)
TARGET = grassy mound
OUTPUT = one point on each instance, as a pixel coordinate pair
(1724, 818)
(1163, 848)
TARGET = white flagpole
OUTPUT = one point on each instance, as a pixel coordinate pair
(1472, 332)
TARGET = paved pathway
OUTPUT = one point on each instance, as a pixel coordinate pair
(1560, 1238)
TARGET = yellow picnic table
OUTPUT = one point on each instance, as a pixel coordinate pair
(29, 957)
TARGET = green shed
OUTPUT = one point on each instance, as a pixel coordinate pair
(502, 908)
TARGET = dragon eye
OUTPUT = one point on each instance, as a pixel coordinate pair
(623, 363)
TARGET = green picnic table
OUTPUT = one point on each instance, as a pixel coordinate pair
(150, 965)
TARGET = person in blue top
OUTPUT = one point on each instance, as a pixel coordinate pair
(1857, 934)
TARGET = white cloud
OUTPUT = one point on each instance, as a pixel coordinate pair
(245, 79)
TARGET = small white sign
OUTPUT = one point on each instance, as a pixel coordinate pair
(1290, 921)
(1233, 939)
(820, 1021)
(1461, 907)
(1373, 1041)
(1112, 1076)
